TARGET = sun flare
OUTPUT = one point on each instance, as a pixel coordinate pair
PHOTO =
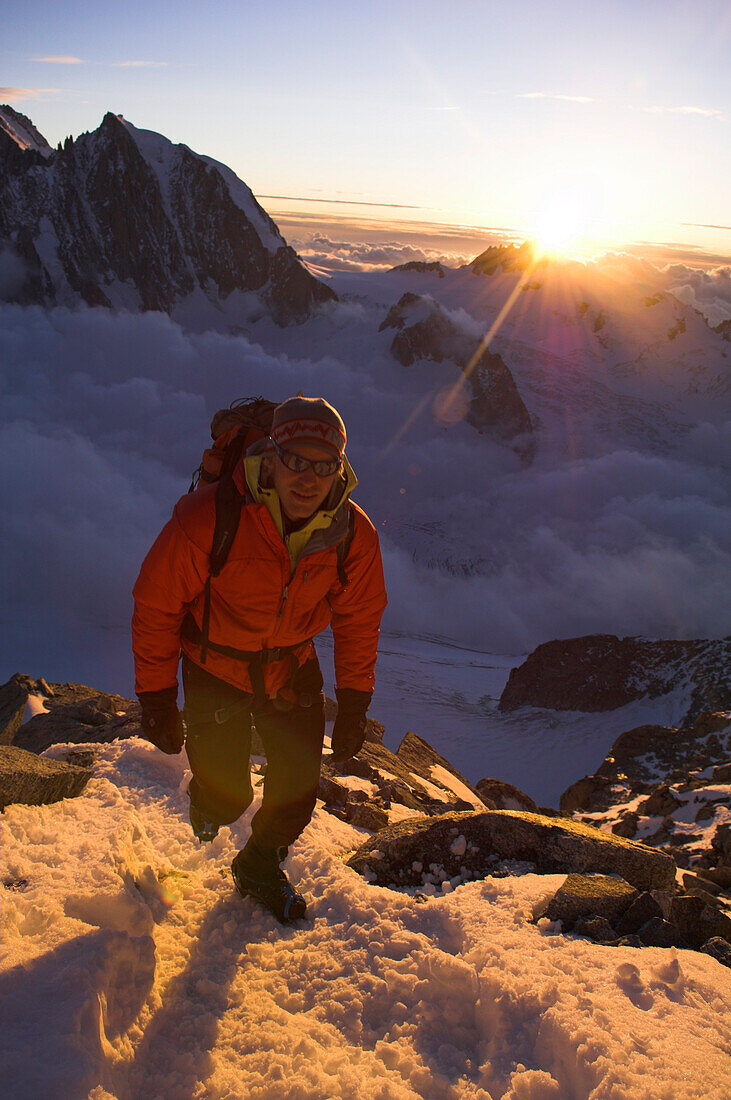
(563, 217)
(559, 227)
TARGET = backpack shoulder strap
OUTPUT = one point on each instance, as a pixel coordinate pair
(343, 548)
(228, 515)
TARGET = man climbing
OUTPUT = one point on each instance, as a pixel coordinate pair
(303, 556)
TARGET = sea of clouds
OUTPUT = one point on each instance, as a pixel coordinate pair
(105, 416)
(321, 250)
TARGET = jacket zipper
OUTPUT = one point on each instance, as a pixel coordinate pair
(284, 600)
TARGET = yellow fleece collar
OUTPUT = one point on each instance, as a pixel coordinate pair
(295, 541)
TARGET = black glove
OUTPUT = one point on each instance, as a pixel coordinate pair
(350, 724)
(161, 722)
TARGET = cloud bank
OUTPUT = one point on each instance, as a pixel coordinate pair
(707, 291)
(105, 417)
(320, 250)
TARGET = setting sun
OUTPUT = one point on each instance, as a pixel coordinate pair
(559, 227)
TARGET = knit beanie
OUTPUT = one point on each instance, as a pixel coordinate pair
(309, 420)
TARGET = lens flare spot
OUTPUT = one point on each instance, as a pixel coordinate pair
(451, 404)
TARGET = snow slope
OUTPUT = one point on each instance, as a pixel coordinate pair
(131, 969)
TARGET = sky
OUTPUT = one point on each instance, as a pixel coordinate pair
(576, 123)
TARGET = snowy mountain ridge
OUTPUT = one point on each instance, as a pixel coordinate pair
(123, 218)
(606, 319)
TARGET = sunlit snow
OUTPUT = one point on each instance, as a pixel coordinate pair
(130, 968)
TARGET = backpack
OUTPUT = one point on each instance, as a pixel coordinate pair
(233, 431)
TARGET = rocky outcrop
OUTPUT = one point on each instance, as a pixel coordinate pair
(35, 781)
(72, 712)
(425, 331)
(611, 912)
(426, 762)
(460, 846)
(416, 778)
(668, 788)
(14, 696)
(122, 217)
(602, 672)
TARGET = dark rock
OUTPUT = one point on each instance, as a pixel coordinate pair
(331, 792)
(587, 896)
(15, 884)
(602, 672)
(77, 713)
(658, 932)
(374, 730)
(719, 876)
(721, 842)
(722, 773)
(661, 802)
(293, 292)
(499, 795)
(643, 909)
(597, 929)
(61, 725)
(13, 698)
(693, 884)
(366, 815)
(589, 793)
(35, 781)
(552, 844)
(81, 758)
(718, 949)
(355, 765)
(628, 941)
(394, 790)
(697, 920)
(627, 825)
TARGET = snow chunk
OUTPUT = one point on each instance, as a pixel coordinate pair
(458, 847)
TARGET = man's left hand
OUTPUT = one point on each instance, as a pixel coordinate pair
(350, 725)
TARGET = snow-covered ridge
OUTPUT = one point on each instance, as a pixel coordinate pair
(164, 158)
(22, 131)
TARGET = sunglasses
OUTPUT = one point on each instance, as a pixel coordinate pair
(323, 467)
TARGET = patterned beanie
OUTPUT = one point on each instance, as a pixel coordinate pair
(309, 420)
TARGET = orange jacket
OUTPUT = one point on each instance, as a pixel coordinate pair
(257, 602)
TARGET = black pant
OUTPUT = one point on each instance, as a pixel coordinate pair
(218, 719)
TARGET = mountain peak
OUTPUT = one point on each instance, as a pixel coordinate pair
(125, 218)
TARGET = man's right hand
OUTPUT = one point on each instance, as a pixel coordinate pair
(162, 723)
